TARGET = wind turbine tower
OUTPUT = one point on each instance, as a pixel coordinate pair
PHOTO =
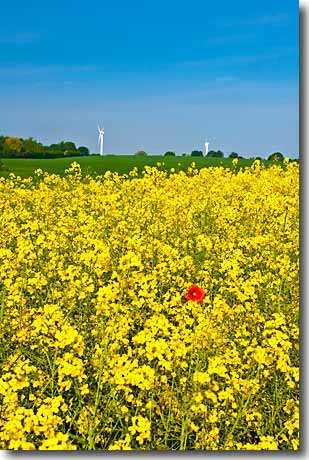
(101, 139)
(206, 148)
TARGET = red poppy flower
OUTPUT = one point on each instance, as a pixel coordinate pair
(195, 293)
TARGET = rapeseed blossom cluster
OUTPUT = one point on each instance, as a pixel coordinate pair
(155, 313)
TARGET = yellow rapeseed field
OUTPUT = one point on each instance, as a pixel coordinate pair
(103, 344)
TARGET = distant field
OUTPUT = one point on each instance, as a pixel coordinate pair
(96, 165)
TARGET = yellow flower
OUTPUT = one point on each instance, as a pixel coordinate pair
(100, 350)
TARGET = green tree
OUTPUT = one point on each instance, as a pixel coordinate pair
(233, 155)
(69, 146)
(54, 147)
(215, 154)
(83, 150)
(169, 154)
(277, 156)
(140, 153)
(31, 148)
(54, 150)
(2, 143)
(196, 153)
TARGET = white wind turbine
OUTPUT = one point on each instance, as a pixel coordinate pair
(101, 139)
(206, 148)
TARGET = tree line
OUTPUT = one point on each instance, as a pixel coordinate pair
(16, 147)
(276, 156)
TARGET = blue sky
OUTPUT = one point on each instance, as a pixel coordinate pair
(158, 75)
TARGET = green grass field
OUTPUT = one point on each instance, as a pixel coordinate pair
(96, 165)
